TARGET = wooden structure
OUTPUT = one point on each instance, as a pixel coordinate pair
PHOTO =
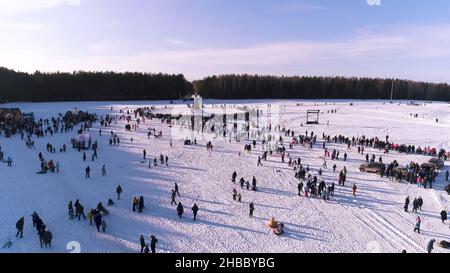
(312, 116)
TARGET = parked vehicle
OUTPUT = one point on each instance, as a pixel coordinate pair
(374, 167)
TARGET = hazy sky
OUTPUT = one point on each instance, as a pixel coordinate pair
(399, 38)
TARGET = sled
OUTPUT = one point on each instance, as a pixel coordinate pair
(278, 229)
(444, 244)
(41, 172)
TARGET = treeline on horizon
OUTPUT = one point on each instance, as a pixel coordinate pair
(296, 87)
(83, 86)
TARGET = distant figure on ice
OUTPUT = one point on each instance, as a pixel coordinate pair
(134, 202)
(19, 226)
(233, 177)
(417, 227)
(174, 194)
(180, 210)
(9, 161)
(118, 191)
(88, 172)
(300, 188)
(259, 161)
(195, 210)
(141, 205)
(142, 242)
(443, 216)
(98, 220)
(104, 170)
(153, 243)
(176, 189)
(406, 206)
(430, 245)
(354, 189)
(252, 208)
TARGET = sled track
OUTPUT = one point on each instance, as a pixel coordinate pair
(375, 222)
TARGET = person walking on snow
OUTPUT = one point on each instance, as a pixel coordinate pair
(195, 210)
(176, 189)
(354, 189)
(71, 213)
(9, 161)
(419, 203)
(153, 243)
(259, 161)
(430, 245)
(134, 202)
(406, 206)
(233, 177)
(142, 242)
(118, 191)
(88, 172)
(252, 208)
(180, 210)
(19, 226)
(98, 220)
(417, 227)
(443, 216)
(141, 205)
(104, 170)
(300, 188)
(90, 216)
(174, 194)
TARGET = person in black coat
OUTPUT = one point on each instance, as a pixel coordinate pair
(419, 203)
(39, 224)
(300, 188)
(252, 208)
(153, 244)
(195, 210)
(118, 191)
(142, 242)
(180, 209)
(443, 216)
(176, 189)
(233, 177)
(406, 204)
(98, 221)
(141, 204)
(88, 172)
(19, 226)
(34, 218)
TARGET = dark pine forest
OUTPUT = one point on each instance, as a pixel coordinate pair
(80, 85)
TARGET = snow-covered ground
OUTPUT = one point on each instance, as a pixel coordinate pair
(372, 221)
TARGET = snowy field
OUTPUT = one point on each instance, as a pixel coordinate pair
(373, 221)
